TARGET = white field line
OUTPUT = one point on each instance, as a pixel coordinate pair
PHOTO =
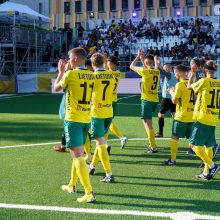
(28, 145)
(109, 140)
(127, 97)
(15, 96)
(4, 95)
(173, 216)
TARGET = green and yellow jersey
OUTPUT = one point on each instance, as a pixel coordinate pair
(103, 94)
(150, 84)
(78, 84)
(208, 101)
(185, 105)
(117, 75)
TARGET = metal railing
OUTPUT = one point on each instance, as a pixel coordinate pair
(29, 36)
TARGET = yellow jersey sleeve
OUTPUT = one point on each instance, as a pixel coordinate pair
(198, 86)
(79, 86)
(103, 94)
(64, 80)
(139, 70)
(185, 105)
(177, 91)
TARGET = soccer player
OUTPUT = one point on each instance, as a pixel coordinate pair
(62, 110)
(78, 84)
(195, 65)
(166, 103)
(102, 113)
(149, 94)
(111, 65)
(206, 114)
(183, 121)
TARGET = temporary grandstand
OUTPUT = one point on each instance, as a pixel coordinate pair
(24, 37)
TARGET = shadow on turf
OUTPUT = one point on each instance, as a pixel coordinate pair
(161, 154)
(152, 159)
(187, 205)
(24, 131)
(155, 163)
(197, 183)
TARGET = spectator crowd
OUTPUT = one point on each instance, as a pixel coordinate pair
(194, 37)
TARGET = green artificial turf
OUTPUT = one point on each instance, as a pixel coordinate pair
(33, 175)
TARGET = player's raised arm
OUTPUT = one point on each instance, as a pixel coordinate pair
(193, 72)
(160, 67)
(133, 65)
(61, 69)
(157, 62)
(142, 58)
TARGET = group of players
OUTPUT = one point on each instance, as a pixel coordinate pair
(90, 97)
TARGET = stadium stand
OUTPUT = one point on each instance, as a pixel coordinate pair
(172, 38)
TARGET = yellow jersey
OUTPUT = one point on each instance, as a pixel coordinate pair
(150, 83)
(117, 75)
(78, 84)
(208, 101)
(102, 94)
(185, 106)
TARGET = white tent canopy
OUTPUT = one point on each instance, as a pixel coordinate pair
(23, 13)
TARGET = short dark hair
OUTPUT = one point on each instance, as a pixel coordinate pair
(202, 62)
(210, 66)
(88, 63)
(180, 68)
(196, 61)
(149, 57)
(113, 59)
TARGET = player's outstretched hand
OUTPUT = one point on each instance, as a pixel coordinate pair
(140, 53)
(68, 66)
(170, 90)
(61, 65)
(157, 59)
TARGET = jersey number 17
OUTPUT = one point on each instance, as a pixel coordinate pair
(215, 99)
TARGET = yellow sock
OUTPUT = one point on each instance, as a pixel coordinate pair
(74, 176)
(151, 138)
(174, 148)
(115, 130)
(200, 152)
(83, 174)
(87, 146)
(209, 152)
(95, 158)
(104, 157)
